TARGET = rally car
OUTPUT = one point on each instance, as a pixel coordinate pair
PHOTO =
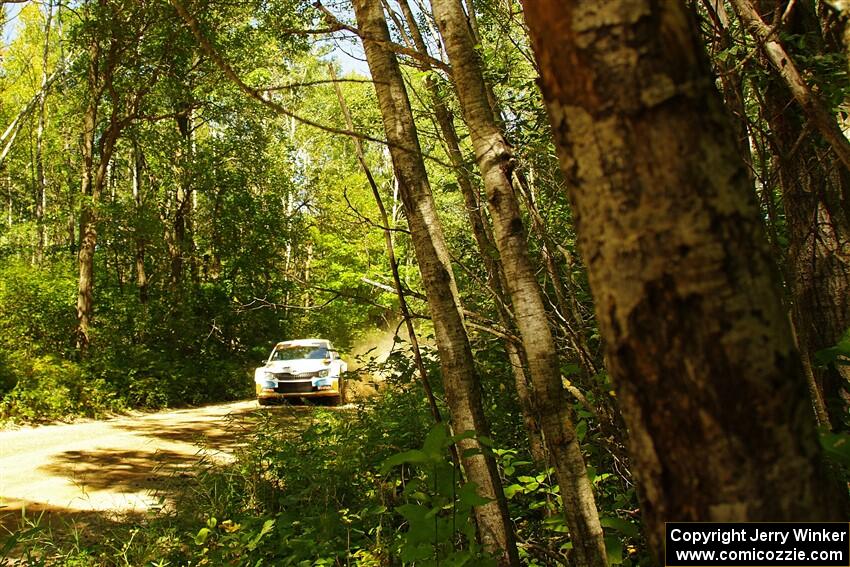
(302, 369)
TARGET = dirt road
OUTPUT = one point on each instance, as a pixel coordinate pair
(120, 465)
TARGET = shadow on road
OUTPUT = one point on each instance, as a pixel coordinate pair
(150, 459)
(119, 471)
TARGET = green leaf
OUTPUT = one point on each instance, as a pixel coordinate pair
(435, 443)
(268, 525)
(471, 452)
(513, 490)
(581, 430)
(485, 441)
(628, 529)
(556, 523)
(201, 536)
(468, 495)
(614, 550)
(412, 456)
(836, 446)
(468, 434)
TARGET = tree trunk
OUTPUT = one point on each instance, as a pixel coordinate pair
(809, 101)
(136, 163)
(41, 182)
(496, 161)
(388, 241)
(182, 227)
(695, 334)
(88, 229)
(93, 178)
(812, 183)
(495, 274)
(463, 391)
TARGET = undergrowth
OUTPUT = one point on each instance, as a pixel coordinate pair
(368, 485)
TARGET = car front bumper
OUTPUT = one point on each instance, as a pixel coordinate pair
(307, 388)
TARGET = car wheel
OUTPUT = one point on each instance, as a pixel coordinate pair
(264, 401)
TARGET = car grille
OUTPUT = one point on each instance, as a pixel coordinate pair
(294, 387)
(288, 376)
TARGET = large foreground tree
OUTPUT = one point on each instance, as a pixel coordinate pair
(697, 341)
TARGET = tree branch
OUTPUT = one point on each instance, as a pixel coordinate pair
(424, 57)
(812, 105)
(257, 95)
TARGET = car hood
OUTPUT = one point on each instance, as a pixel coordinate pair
(295, 366)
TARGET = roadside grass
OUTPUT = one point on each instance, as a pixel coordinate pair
(217, 514)
(369, 484)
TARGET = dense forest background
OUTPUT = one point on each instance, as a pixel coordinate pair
(617, 236)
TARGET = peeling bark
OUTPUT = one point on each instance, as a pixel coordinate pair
(696, 338)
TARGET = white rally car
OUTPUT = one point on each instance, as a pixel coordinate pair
(306, 368)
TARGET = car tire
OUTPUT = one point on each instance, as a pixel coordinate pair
(264, 401)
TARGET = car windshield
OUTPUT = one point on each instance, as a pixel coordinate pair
(293, 352)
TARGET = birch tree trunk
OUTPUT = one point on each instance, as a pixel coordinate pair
(486, 247)
(88, 229)
(696, 337)
(809, 101)
(463, 391)
(388, 241)
(496, 162)
(41, 182)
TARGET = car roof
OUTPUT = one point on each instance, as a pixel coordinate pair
(306, 342)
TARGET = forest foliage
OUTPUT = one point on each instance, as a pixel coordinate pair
(182, 188)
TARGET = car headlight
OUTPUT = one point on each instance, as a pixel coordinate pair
(323, 373)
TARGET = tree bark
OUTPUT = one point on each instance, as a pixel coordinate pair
(463, 390)
(41, 182)
(88, 229)
(486, 247)
(811, 104)
(94, 176)
(388, 241)
(812, 183)
(136, 163)
(496, 162)
(696, 338)
(183, 249)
